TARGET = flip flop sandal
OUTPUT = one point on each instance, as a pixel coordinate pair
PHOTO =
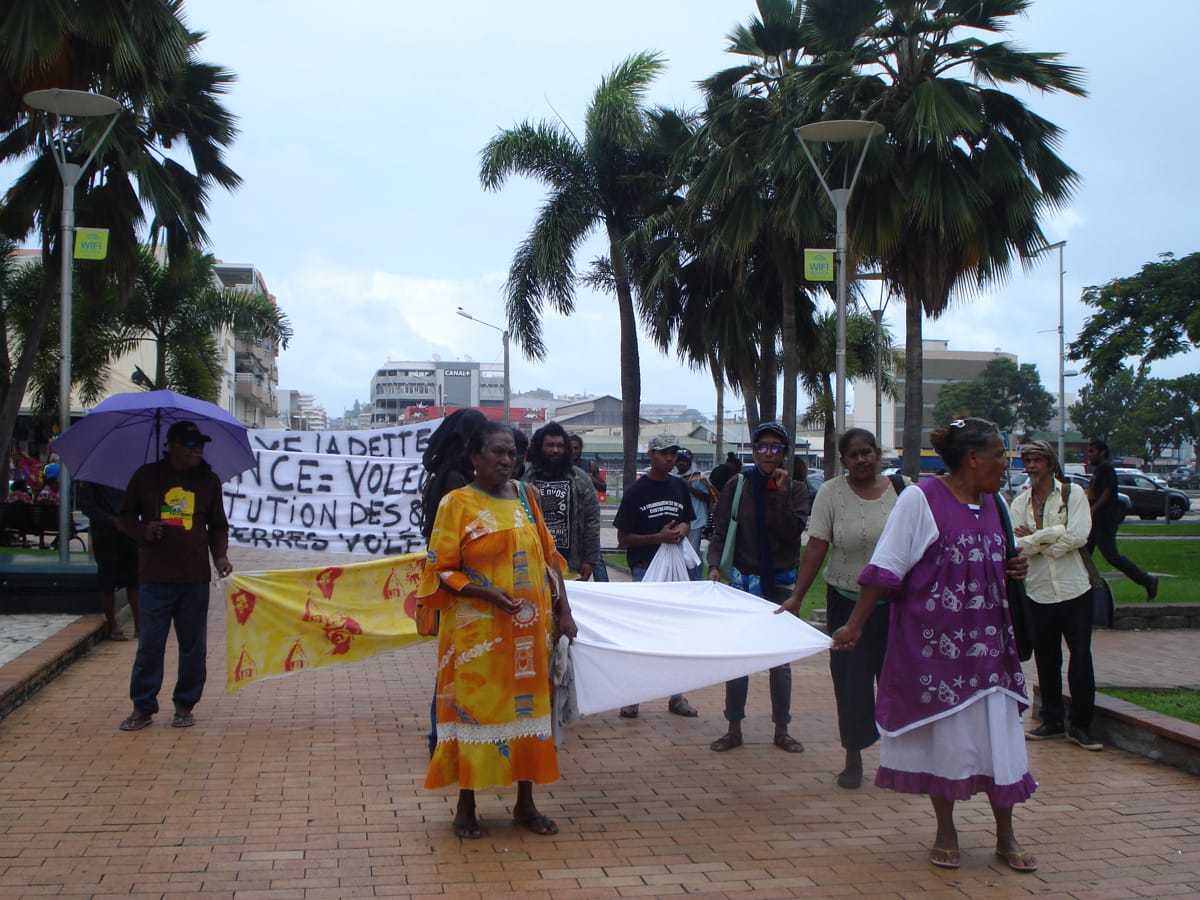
(136, 721)
(944, 859)
(537, 823)
(468, 831)
(789, 744)
(727, 741)
(1018, 860)
(117, 635)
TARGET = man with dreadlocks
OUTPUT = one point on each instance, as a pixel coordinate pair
(568, 500)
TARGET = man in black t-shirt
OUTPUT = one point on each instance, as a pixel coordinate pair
(1106, 516)
(655, 510)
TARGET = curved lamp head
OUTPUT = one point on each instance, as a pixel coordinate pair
(839, 131)
(81, 104)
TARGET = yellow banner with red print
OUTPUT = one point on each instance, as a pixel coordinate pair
(284, 621)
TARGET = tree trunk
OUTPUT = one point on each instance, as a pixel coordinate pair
(768, 377)
(914, 394)
(631, 373)
(791, 354)
(719, 384)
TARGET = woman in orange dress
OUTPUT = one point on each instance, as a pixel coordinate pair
(494, 574)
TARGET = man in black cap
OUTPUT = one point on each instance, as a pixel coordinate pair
(655, 510)
(174, 509)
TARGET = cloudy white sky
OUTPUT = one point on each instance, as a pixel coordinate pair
(362, 123)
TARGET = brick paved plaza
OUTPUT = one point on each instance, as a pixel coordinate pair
(310, 786)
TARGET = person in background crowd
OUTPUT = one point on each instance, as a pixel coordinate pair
(592, 467)
(1106, 516)
(655, 510)
(116, 554)
(726, 470)
(600, 569)
(1051, 522)
(48, 495)
(568, 501)
(521, 443)
(19, 493)
(952, 689)
(701, 495)
(847, 518)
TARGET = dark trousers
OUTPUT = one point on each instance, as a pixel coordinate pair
(856, 672)
(1053, 623)
(779, 680)
(161, 604)
(1104, 539)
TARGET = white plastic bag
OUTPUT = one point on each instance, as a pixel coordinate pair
(671, 562)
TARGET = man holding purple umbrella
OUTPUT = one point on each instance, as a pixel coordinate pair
(174, 509)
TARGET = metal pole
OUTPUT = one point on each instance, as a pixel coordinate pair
(1062, 396)
(70, 178)
(507, 388)
(877, 315)
(841, 202)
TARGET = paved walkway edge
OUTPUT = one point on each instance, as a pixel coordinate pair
(24, 676)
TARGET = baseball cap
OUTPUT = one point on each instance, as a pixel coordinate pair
(771, 428)
(664, 442)
(186, 432)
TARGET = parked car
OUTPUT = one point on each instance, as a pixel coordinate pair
(1150, 499)
(1124, 499)
(1184, 478)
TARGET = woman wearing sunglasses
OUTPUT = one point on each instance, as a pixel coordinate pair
(771, 514)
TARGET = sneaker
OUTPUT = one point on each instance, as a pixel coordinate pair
(1152, 588)
(1083, 739)
(1046, 730)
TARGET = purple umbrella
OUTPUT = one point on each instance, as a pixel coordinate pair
(128, 430)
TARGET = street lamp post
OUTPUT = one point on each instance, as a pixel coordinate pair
(64, 104)
(1062, 351)
(505, 334)
(839, 131)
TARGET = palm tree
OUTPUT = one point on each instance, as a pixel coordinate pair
(181, 307)
(756, 189)
(146, 59)
(952, 196)
(594, 183)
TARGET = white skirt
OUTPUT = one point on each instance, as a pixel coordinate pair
(981, 747)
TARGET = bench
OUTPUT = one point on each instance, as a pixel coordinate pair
(25, 519)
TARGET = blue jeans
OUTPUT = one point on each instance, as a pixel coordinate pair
(780, 677)
(600, 571)
(161, 604)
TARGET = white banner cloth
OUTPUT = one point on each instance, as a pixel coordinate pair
(640, 641)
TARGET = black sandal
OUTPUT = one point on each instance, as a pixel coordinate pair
(727, 741)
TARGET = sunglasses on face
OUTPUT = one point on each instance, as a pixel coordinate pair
(192, 443)
(770, 449)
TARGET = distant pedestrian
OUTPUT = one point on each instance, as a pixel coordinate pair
(116, 554)
(174, 509)
(726, 470)
(1106, 516)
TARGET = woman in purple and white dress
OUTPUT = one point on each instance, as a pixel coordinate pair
(952, 691)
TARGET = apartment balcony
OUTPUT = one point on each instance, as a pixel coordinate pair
(255, 389)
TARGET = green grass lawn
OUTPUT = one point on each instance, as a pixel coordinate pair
(1178, 703)
(1177, 561)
